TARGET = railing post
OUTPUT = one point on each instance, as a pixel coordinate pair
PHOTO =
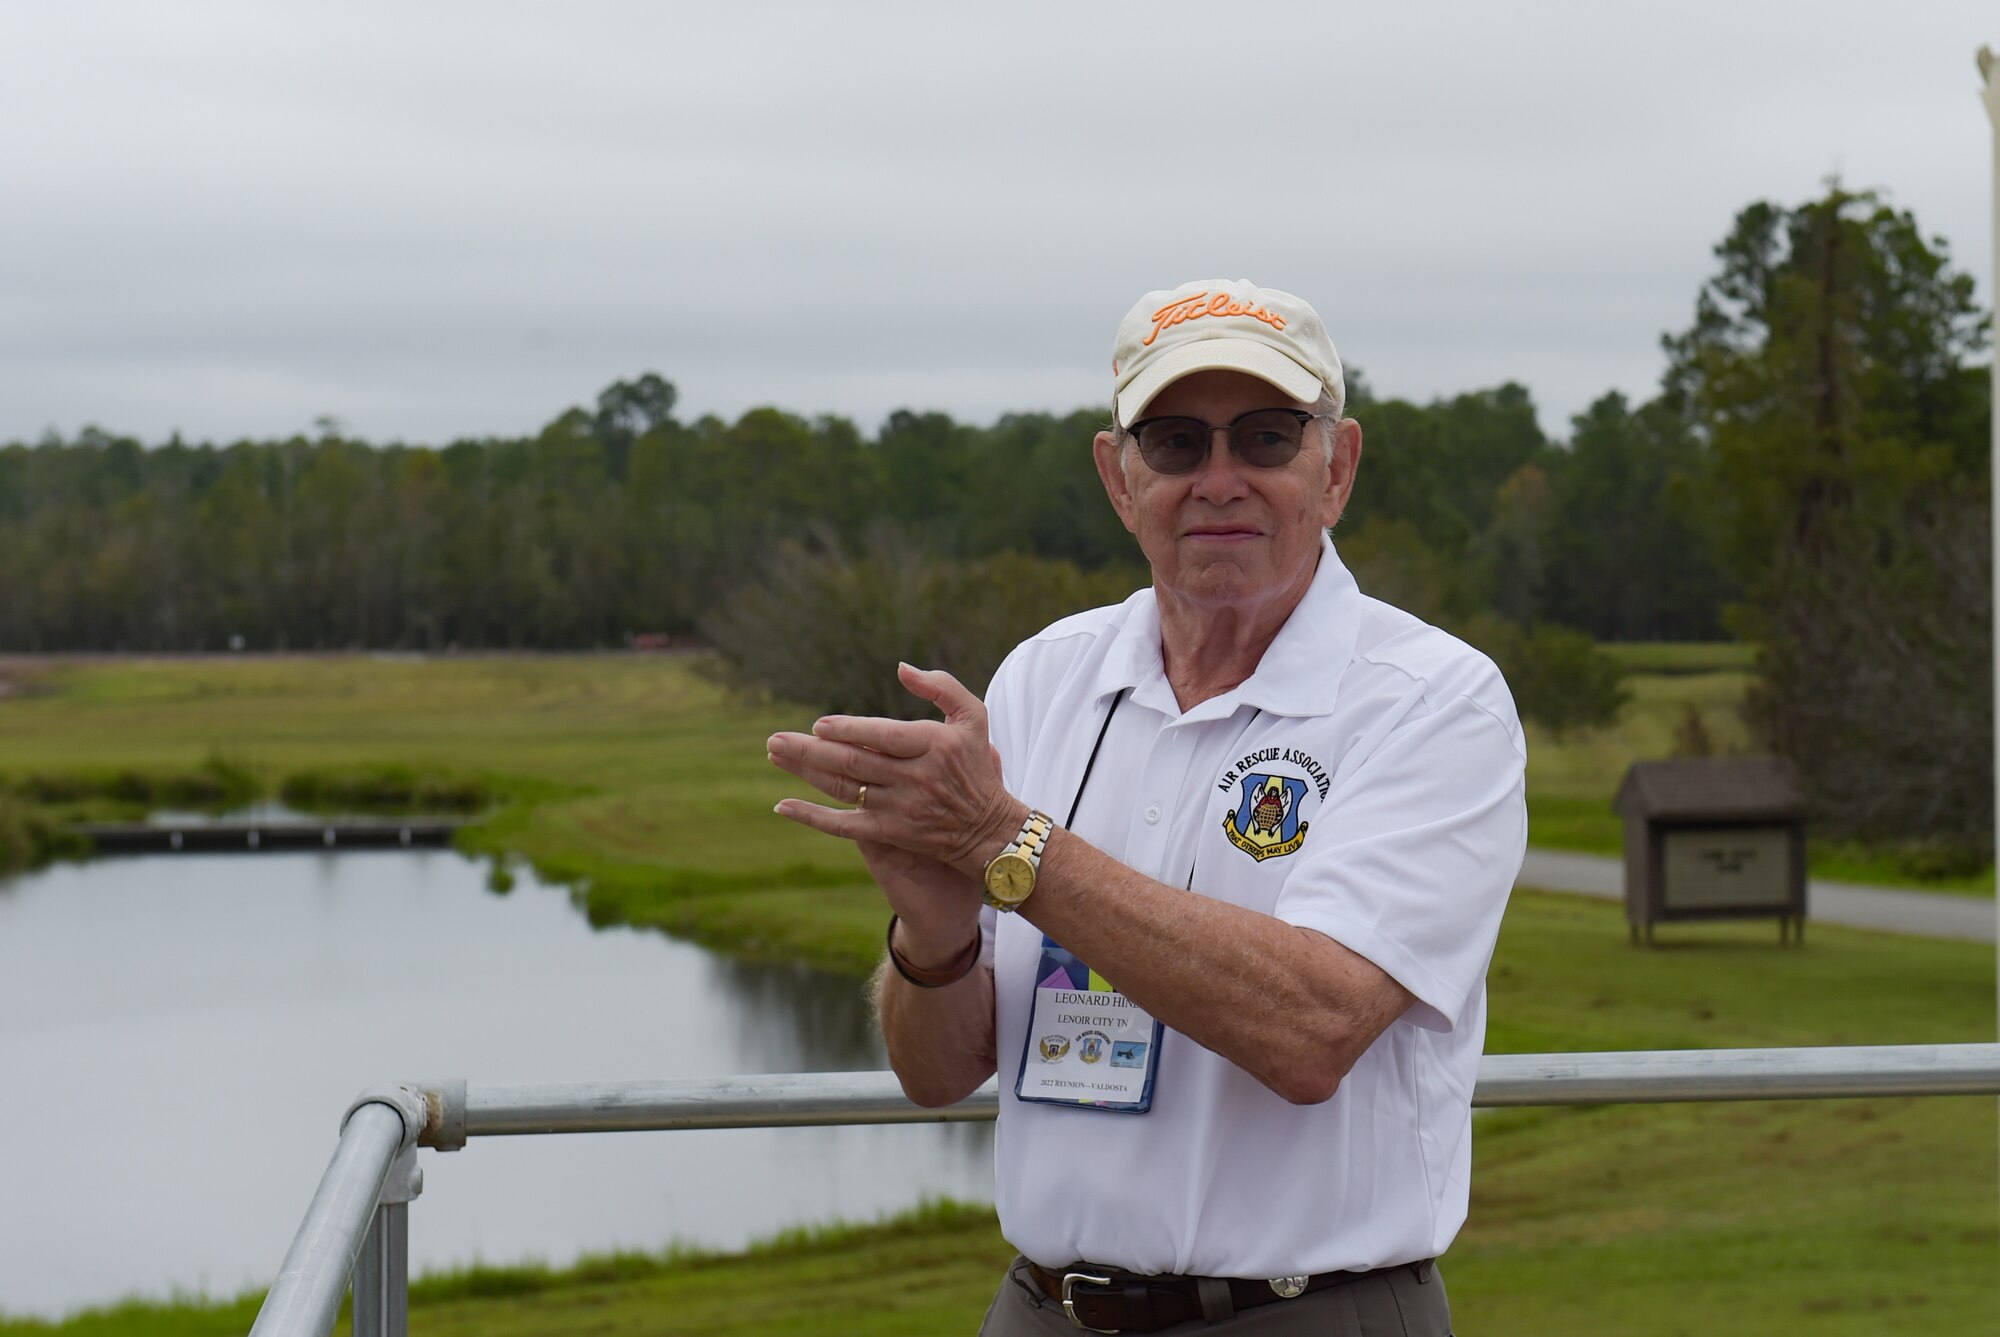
(382, 1271)
(304, 1301)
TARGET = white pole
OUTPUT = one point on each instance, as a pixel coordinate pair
(1989, 70)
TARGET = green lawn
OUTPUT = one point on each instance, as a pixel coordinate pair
(1682, 656)
(646, 781)
(1813, 1217)
(1571, 780)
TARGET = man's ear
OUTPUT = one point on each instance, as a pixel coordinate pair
(1111, 470)
(1340, 473)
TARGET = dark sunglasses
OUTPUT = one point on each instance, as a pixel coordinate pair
(1262, 438)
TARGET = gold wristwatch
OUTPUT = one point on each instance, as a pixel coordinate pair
(1010, 878)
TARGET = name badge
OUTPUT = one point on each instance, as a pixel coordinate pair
(1088, 1045)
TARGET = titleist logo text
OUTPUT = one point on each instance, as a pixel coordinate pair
(1201, 304)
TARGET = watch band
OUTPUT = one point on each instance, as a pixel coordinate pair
(1010, 876)
(1033, 837)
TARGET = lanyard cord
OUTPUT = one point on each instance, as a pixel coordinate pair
(1069, 823)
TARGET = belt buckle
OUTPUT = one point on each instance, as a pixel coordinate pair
(1069, 1283)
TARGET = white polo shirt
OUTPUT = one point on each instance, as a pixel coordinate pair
(1394, 760)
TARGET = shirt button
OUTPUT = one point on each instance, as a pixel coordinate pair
(1152, 816)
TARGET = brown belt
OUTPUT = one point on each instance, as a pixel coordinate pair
(1104, 1300)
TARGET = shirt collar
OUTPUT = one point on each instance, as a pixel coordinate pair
(1298, 675)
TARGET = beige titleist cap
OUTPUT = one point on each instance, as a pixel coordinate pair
(1220, 325)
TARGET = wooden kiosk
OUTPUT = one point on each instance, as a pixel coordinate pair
(1713, 838)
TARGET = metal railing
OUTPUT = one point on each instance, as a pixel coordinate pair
(358, 1223)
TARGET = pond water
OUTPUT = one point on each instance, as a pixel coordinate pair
(180, 1034)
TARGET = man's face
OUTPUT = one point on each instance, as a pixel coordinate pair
(1229, 532)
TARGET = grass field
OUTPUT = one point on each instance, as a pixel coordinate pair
(644, 783)
(1817, 1217)
(1682, 656)
(1571, 780)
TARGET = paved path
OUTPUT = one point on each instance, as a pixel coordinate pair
(1926, 913)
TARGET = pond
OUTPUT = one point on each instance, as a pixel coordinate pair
(179, 1035)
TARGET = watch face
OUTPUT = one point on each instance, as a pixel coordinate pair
(1009, 879)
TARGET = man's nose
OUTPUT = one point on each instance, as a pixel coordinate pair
(1220, 475)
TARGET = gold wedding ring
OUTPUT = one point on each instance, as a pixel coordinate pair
(861, 799)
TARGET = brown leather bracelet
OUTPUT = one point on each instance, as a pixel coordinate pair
(957, 970)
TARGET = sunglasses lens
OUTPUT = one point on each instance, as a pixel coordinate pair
(1264, 440)
(1173, 445)
(1268, 439)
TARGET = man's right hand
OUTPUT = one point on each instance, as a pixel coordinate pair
(938, 906)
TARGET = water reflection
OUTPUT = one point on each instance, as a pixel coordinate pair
(801, 1020)
(179, 1034)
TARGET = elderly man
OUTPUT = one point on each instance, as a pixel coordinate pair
(1243, 843)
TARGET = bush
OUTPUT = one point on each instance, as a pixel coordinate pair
(1560, 679)
(827, 630)
(25, 839)
(216, 783)
(390, 788)
(1391, 562)
(17, 840)
(1692, 737)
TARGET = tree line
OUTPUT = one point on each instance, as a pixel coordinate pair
(622, 519)
(1810, 476)
(607, 522)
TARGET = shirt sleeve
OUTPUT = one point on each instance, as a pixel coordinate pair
(1413, 854)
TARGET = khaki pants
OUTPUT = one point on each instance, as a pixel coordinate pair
(1390, 1304)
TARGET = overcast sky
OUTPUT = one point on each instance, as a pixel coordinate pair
(434, 220)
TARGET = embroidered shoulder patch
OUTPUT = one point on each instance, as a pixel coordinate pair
(1266, 822)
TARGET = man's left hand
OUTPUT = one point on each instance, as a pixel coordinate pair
(934, 788)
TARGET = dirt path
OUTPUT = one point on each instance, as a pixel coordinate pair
(1891, 909)
(18, 673)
